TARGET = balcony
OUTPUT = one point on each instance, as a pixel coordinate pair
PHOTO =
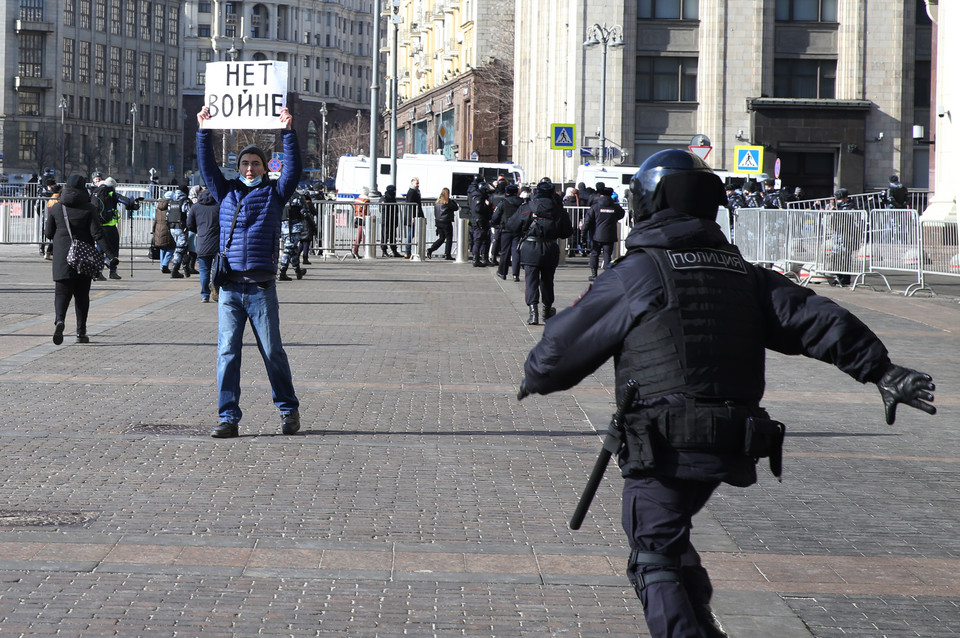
(25, 82)
(31, 26)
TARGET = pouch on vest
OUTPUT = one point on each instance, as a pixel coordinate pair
(635, 453)
(764, 437)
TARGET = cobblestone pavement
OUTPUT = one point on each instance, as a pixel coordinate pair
(421, 498)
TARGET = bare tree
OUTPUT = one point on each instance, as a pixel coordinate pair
(493, 100)
(344, 139)
(48, 149)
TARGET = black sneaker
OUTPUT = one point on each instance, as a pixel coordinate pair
(225, 430)
(83, 339)
(290, 423)
(58, 333)
(165, 270)
(115, 275)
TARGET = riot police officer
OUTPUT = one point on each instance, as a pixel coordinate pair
(505, 239)
(601, 221)
(480, 215)
(688, 320)
(291, 229)
(537, 225)
(771, 195)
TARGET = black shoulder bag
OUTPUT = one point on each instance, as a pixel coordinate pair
(220, 267)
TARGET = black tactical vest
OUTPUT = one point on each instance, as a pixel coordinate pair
(175, 213)
(707, 341)
(293, 211)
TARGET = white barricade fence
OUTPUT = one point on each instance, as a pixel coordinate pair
(746, 233)
(893, 243)
(844, 242)
(577, 245)
(939, 253)
(803, 238)
(344, 231)
(22, 220)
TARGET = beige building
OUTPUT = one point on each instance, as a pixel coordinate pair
(945, 114)
(809, 82)
(454, 86)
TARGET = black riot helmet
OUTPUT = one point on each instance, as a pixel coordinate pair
(679, 180)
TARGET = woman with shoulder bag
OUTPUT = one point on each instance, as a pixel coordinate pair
(73, 208)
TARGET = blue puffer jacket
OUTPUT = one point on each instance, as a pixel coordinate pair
(256, 239)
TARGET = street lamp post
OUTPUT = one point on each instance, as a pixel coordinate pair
(606, 36)
(323, 142)
(133, 142)
(396, 19)
(375, 97)
(63, 144)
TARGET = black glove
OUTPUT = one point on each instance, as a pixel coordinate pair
(902, 385)
(522, 392)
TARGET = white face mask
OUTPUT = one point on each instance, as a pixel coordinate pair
(250, 182)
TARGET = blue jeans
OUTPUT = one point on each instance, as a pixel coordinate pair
(204, 264)
(165, 256)
(258, 303)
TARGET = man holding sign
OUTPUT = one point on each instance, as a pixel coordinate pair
(251, 207)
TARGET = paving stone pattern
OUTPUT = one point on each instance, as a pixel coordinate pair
(421, 498)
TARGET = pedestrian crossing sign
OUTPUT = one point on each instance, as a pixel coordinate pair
(563, 136)
(748, 159)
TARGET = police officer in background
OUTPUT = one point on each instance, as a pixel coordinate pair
(601, 221)
(291, 232)
(505, 239)
(480, 215)
(771, 196)
(537, 225)
(688, 321)
(896, 195)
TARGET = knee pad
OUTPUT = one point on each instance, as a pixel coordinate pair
(667, 569)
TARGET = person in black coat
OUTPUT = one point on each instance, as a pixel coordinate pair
(444, 212)
(413, 197)
(203, 218)
(389, 219)
(537, 226)
(480, 215)
(506, 239)
(601, 221)
(687, 321)
(74, 204)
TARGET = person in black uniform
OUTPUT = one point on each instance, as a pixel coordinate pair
(480, 215)
(601, 220)
(389, 220)
(505, 239)
(847, 230)
(537, 226)
(771, 196)
(291, 231)
(687, 321)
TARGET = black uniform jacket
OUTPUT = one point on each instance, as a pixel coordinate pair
(602, 219)
(203, 218)
(579, 339)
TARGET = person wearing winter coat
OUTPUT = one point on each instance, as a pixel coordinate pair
(251, 206)
(74, 208)
(204, 220)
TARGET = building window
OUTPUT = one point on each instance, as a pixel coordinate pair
(201, 78)
(31, 10)
(115, 70)
(205, 55)
(158, 75)
(67, 69)
(84, 14)
(143, 72)
(815, 79)
(172, 72)
(144, 12)
(203, 6)
(116, 20)
(230, 31)
(158, 23)
(28, 102)
(28, 146)
(173, 27)
(306, 85)
(83, 63)
(129, 22)
(921, 83)
(668, 9)
(129, 68)
(806, 10)
(661, 79)
(203, 30)
(99, 64)
(100, 16)
(69, 13)
(30, 63)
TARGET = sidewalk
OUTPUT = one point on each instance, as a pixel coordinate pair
(422, 499)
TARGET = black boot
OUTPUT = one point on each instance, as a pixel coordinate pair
(283, 276)
(709, 624)
(534, 316)
(192, 265)
(175, 273)
(301, 272)
(548, 311)
(593, 274)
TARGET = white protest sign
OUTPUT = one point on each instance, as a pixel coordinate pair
(247, 94)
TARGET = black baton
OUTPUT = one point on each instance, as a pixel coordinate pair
(614, 432)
